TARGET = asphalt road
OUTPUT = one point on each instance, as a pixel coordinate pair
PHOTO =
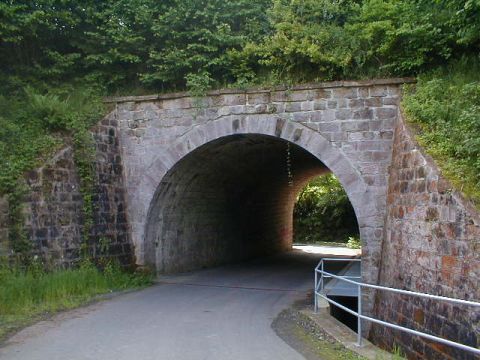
(223, 313)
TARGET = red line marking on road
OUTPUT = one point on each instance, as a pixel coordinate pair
(232, 287)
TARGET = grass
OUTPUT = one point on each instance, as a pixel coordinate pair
(27, 296)
(324, 349)
(444, 106)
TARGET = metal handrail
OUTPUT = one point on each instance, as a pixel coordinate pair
(319, 287)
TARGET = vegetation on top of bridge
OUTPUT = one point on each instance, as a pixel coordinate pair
(445, 106)
(58, 57)
(145, 45)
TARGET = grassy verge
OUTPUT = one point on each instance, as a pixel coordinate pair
(445, 108)
(305, 337)
(28, 296)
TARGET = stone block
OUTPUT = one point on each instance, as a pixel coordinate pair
(178, 103)
(355, 125)
(279, 96)
(319, 105)
(331, 104)
(258, 98)
(378, 91)
(360, 135)
(302, 116)
(343, 114)
(307, 106)
(342, 103)
(385, 113)
(356, 103)
(374, 102)
(322, 93)
(293, 107)
(328, 127)
(231, 100)
(363, 92)
(395, 100)
(301, 95)
(345, 93)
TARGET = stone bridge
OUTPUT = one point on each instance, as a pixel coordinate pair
(184, 183)
(213, 180)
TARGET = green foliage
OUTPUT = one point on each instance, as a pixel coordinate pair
(323, 212)
(354, 242)
(131, 44)
(27, 294)
(192, 38)
(125, 44)
(33, 125)
(327, 39)
(198, 84)
(445, 105)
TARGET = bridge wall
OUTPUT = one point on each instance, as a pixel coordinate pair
(432, 245)
(347, 125)
(53, 206)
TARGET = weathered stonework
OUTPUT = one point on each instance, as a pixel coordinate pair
(432, 245)
(53, 210)
(347, 126)
(111, 230)
(212, 180)
(53, 206)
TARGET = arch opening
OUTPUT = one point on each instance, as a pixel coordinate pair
(324, 215)
(228, 200)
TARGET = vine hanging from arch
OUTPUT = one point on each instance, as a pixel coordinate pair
(289, 165)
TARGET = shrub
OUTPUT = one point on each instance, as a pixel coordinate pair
(323, 212)
(445, 106)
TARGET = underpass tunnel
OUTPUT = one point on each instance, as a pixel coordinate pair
(229, 200)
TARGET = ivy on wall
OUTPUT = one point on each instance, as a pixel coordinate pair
(34, 125)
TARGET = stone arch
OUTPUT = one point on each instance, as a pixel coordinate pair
(366, 203)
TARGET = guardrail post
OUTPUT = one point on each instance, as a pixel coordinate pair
(359, 313)
(315, 292)
(321, 284)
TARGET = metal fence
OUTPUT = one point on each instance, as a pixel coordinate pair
(321, 275)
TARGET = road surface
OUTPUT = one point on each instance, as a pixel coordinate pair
(222, 313)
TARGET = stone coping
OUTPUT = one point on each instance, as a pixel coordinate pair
(309, 86)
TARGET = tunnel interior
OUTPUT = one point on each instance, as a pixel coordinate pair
(226, 201)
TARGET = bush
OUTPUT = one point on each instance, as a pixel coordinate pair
(323, 212)
(34, 123)
(354, 242)
(445, 106)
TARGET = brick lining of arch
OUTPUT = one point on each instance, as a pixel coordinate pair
(226, 201)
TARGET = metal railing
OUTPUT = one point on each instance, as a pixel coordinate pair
(321, 275)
